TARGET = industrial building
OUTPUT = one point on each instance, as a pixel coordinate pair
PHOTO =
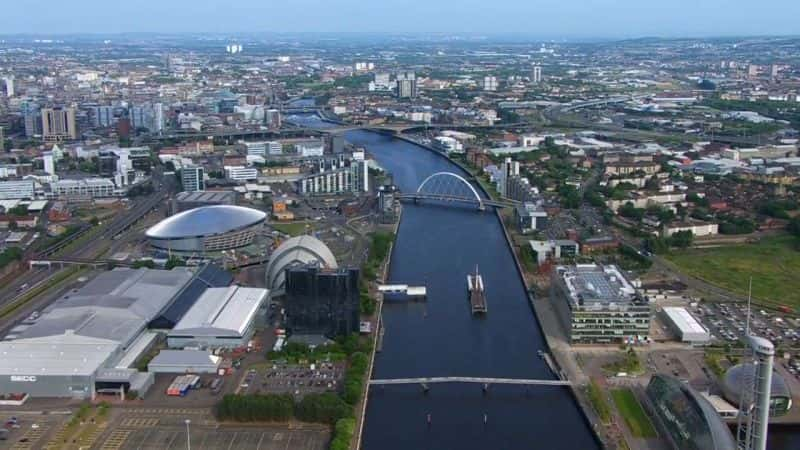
(297, 251)
(685, 326)
(185, 201)
(184, 361)
(87, 340)
(597, 304)
(220, 318)
(322, 301)
(207, 229)
(686, 419)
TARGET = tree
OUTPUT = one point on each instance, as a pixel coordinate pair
(794, 226)
(682, 239)
(631, 212)
(19, 210)
(652, 184)
(173, 262)
(94, 221)
(144, 263)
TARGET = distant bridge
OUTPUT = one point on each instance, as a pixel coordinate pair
(451, 187)
(475, 380)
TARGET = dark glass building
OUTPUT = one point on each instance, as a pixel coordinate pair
(322, 301)
(685, 417)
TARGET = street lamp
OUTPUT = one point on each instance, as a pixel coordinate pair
(188, 437)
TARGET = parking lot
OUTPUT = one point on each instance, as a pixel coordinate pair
(293, 379)
(31, 431)
(232, 439)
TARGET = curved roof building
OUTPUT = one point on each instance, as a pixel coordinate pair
(296, 251)
(689, 421)
(207, 229)
(733, 384)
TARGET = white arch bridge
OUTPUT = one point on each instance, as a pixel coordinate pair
(451, 187)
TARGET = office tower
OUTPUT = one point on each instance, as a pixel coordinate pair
(102, 116)
(158, 118)
(489, 83)
(32, 118)
(49, 163)
(406, 85)
(508, 170)
(9, 86)
(273, 118)
(322, 301)
(536, 74)
(337, 144)
(58, 124)
(192, 178)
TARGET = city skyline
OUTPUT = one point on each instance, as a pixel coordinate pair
(544, 19)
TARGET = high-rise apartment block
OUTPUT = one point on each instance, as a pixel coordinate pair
(58, 124)
(406, 85)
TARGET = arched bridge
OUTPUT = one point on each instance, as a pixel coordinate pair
(450, 187)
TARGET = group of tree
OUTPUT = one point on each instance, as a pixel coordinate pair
(10, 255)
(570, 198)
(681, 239)
(778, 208)
(794, 226)
(256, 408)
(736, 225)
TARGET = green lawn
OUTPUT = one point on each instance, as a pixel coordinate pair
(292, 229)
(630, 410)
(774, 264)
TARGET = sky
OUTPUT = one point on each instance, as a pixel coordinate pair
(539, 18)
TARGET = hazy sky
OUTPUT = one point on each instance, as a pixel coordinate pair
(541, 18)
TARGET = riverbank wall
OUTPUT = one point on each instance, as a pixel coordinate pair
(377, 336)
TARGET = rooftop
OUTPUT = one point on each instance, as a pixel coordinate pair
(683, 320)
(206, 220)
(592, 283)
(225, 310)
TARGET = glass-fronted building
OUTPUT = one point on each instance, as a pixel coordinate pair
(686, 419)
(322, 302)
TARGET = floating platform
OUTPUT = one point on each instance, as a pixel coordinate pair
(477, 295)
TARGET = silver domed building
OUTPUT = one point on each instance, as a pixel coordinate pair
(207, 229)
(735, 381)
(299, 250)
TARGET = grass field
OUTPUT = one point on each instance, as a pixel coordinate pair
(292, 229)
(773, 263)
(630, 410)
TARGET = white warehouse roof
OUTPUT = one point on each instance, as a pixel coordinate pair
(66, 355)
(222, 311)
(689, 328)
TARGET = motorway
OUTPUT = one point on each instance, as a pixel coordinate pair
(100, 242)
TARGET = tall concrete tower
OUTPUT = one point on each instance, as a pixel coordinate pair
(754, 411)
